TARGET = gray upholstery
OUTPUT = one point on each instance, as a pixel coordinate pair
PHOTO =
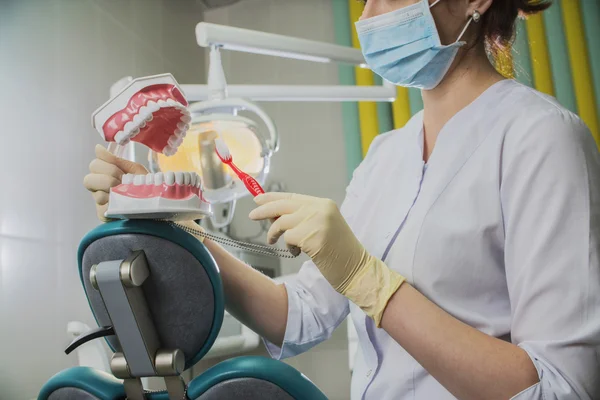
(178, 292)
(246, 389)
(70, 393)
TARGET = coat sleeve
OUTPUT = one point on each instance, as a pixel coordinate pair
(550, 195)
(315, 309)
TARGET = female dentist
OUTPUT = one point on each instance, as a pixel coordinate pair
(467, 248)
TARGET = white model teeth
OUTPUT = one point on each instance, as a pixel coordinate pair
(195, 179)
(159, 179)
(129, 127)
(153, 106)
(130, 130)
(145, 115)
(188, 179)
(170, 178)
(144, 112)
(127, 179)
(179, 178)
(139, 180)
(180, 133)
(138, 120)
(169, 151)
(120, 137)
(172, 141)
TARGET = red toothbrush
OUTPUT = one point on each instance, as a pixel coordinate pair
(251, 184)
(225, 155)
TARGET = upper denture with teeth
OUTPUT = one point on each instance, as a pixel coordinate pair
(152, 111)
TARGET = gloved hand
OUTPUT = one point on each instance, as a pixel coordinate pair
(106, 171)
(318, 228)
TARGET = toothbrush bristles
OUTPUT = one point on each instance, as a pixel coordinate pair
(222, 150)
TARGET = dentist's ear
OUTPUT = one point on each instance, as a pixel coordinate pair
(478, 6)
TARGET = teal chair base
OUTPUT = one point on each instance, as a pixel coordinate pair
(248, 378)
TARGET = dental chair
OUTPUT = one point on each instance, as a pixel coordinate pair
(157, 297)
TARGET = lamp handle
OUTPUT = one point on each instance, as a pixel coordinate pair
(273, 141)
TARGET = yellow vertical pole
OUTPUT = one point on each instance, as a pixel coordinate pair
(540, 56)
(369, 124)
(401, 107)
(580, 65)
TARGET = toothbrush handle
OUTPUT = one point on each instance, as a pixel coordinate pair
(251, 184)
(255, 189)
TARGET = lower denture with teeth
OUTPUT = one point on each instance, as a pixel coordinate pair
(156, 196)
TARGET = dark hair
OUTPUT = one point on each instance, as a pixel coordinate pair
(498, 23)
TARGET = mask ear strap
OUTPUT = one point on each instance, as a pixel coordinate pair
(476, 16)
(434, 3)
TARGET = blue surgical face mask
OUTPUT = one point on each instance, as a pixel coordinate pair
(404, 47)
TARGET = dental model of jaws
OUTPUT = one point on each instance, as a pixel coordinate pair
(152, 111)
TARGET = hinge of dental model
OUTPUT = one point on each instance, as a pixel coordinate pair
(252, 247)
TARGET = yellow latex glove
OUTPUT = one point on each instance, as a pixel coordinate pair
(318, 228)
(106, 171)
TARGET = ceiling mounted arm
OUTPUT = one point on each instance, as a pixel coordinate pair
(249, 41)
(224, 37)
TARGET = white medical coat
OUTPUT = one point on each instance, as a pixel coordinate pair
(501, 230)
